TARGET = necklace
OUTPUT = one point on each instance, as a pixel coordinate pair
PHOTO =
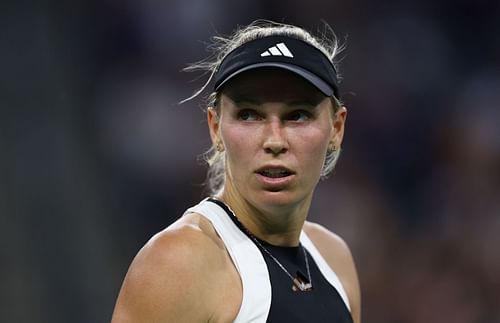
(300, 283)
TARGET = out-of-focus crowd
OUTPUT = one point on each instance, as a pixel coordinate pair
(97, 156)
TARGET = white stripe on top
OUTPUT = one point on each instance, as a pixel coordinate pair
(248, 261)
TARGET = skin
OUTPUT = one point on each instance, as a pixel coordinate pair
(264, 118)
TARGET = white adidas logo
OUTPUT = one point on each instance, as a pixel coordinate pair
(278, 50)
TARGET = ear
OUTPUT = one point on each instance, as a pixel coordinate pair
(213, 125)
(338, 127)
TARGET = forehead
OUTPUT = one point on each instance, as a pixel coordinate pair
(271, 85)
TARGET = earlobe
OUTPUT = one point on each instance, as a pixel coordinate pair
(331, 148)
(219, 146)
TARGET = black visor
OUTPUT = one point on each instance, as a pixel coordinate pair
(283, 52)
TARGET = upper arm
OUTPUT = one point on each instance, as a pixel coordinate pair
(165, 282)
(338, 256)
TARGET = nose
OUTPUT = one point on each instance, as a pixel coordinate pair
(275, 141)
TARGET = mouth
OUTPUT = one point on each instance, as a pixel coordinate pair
(275, 172)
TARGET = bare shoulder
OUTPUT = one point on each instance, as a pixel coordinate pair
(331, 246)
(337, 254)
(167, 278)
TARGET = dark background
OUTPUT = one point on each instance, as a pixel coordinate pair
(96, 155)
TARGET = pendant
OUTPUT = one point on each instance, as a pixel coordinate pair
(301, 283)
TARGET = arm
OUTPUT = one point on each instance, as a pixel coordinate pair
(338, 256)
(165, 282)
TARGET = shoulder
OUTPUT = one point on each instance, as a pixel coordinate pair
(168, 277)
(337, 254)
(331, 246)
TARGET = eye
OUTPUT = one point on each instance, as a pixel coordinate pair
(248, 115)
(299, 116)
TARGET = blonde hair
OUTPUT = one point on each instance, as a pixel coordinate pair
(326, 42)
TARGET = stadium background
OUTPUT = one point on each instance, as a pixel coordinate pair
(96, 156)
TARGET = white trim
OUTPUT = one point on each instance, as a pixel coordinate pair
(248, 260)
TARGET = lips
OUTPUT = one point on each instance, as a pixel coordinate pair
(275, 171)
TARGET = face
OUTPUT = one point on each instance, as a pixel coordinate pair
(275, 128)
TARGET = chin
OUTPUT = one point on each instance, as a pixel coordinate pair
(278, 199)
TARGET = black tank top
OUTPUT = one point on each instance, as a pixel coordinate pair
(322, 304)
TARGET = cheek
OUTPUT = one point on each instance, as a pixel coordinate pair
(239, 142)
(313, 139)
(235, 138)
(311, 145)
(233, 135)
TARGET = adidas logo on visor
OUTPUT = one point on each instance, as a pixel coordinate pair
(278, 50)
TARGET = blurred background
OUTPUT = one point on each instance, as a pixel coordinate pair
(96, 156)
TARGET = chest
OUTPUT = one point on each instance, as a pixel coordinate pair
(322, 303)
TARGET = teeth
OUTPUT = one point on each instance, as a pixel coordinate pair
(275, 173)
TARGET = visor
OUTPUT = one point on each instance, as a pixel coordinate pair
(283, 52)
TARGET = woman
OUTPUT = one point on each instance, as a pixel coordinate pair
(247, 254)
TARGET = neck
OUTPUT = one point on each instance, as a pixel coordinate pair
(278, 225)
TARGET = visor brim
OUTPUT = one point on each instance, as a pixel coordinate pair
(308, 76)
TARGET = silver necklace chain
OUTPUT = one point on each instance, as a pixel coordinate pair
(298, 284)
(302, 286)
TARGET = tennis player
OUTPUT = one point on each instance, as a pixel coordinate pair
(247, 253)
